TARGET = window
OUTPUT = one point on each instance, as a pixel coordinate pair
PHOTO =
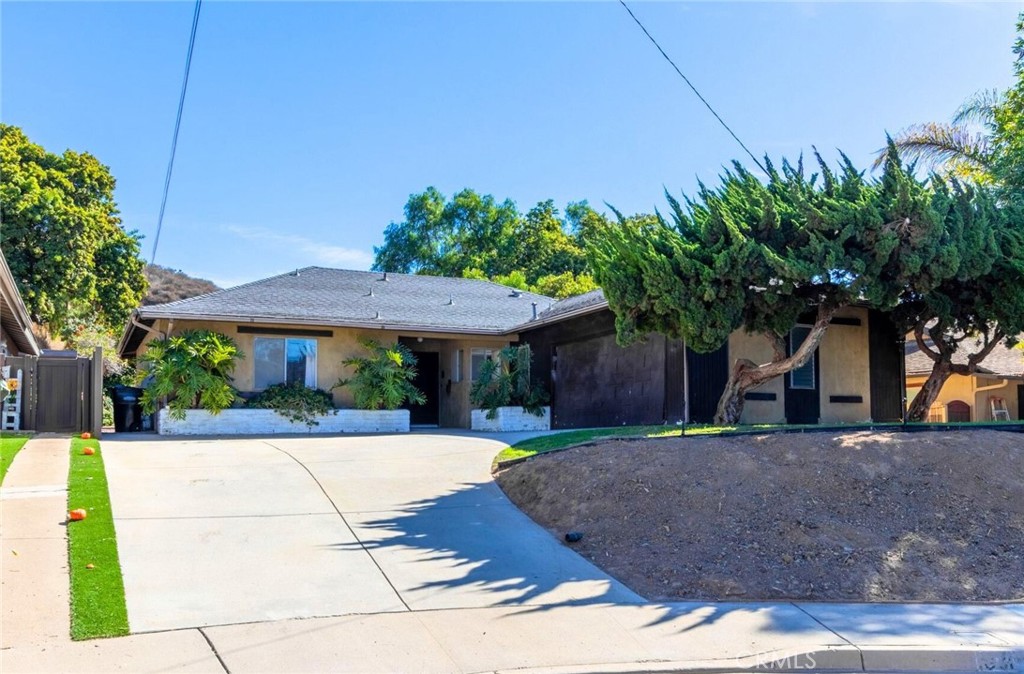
(802, 377)
(279, 361)
(457, 365)
(477, 359)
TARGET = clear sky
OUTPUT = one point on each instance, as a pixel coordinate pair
(307, 126)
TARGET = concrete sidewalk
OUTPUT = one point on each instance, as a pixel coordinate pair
(562, 636)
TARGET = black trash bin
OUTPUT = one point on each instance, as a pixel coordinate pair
(127, 409)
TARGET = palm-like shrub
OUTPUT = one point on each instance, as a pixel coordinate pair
(193, 371)
(505, 382)
(383, 379)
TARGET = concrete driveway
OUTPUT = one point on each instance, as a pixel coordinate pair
(225, 531)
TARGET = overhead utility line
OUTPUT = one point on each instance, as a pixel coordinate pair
(690, 84)
(177, 127)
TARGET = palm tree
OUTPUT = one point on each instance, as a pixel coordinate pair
(956, 148)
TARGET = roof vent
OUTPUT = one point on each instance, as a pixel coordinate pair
(451, 300)
(295, 273)
(377, 316)
(534, 310)
(516, 292)
(370, 294)
(385, 277)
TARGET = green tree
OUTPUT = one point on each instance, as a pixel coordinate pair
(757, 255)
(1009, 128)
(62, 235)
(475, 236)
(982, 304)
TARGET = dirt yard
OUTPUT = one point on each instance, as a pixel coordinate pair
(856, 516)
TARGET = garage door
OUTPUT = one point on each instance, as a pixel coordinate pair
(599, 383)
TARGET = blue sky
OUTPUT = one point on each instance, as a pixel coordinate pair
(307, 126)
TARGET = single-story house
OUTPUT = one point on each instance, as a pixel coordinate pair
(300, 326)
(16, 335)
(999, 381)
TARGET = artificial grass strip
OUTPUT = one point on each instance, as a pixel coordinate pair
(10, 445)
(97, 594)
(549, 443)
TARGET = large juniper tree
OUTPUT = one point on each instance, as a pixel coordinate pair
(757, 255)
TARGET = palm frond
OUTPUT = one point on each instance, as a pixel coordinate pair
(941, 146)
(979, 108)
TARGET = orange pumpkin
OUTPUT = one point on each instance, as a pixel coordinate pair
(86, 435)
(77, 514)
(88, 451)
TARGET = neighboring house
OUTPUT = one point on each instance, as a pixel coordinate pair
(16, 336)
(300, 327)
(999, 379)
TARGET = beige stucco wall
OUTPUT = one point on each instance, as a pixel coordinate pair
(331, 351)
(756, 348)
(975, 391)
(844, 367)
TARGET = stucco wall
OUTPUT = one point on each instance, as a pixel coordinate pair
(756, 348)
(331, 351)
(844, 369)
(843, 359)
(965, 389)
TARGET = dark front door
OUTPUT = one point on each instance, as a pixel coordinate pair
(803, 397)
(427, 380)
(61, 386)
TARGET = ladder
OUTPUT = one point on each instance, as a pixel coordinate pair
(999, 411)
(10, 414)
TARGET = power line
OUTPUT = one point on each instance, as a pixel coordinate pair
(177, 127)
(690, 84)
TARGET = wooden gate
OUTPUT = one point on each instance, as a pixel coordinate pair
(62, 394)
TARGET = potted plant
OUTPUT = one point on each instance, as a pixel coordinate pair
(508, 399)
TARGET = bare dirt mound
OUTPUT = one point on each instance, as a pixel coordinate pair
(853, 516)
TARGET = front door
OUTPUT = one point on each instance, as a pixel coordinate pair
(1020, 402)
(803, 398)
(428, 381)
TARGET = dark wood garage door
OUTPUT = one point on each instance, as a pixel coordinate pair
(599, 383)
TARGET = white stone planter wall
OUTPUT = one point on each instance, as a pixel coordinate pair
(269, 422)
(511, 419)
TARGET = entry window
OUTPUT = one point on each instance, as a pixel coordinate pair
(280, 361)
(457, 365)
(477, 359)
(802, 377)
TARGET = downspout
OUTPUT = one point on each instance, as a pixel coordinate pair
(990, 387)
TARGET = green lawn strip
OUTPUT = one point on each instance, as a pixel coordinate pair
(556, 441)
(10, 445)
(97, 594)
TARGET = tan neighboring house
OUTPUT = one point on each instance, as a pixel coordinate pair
(999, 381)
(16, 335)
(299, 327)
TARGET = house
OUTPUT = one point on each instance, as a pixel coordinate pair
(16, 335)
(300, 326)
(999, 379)
(853, 377)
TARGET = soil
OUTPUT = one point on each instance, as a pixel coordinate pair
(858, 516)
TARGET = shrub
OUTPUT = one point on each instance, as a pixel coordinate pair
(383, 380)
(505, 382)
(295, 402)
(193, 370)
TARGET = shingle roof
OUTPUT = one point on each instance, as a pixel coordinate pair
(322, 296)
(570, 306)
(1003, 361)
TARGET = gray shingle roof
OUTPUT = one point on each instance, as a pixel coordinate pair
(322, 296)
(1003, 361)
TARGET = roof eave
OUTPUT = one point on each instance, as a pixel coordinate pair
(541, 322)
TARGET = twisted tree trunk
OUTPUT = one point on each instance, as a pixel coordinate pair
(746, 374)
(943, 367)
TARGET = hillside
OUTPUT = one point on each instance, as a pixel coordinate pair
(169, 285)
